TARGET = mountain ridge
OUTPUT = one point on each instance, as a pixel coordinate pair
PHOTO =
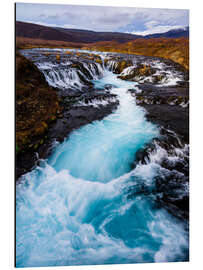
(30, 30)
(36, 31)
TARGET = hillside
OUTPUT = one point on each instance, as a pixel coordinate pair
(175, 33)
(36, 107)
(169, 48)
(35, 31)
(40, 32)
(28, 43)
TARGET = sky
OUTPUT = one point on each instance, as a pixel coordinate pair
(140, 21)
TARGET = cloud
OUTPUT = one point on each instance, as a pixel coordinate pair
(101, 18)
(150, 24)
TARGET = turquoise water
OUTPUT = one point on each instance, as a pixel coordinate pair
(106, 149)
(84, 205)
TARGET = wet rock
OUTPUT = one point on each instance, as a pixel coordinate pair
(172, 194)
(122, 65)
(174, 118)
(109, 86)
(98, 60)
(167, 106)
(142, 155)
(140, 71)
(119, 64)
(170, 188)
(157, 78)
(58, 57)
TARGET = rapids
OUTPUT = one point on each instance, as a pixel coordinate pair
(87, 204)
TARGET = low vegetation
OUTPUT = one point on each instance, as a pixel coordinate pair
(29, 43)
(37, 105)
(176, 49)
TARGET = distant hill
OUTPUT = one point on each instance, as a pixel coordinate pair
(35, 31)
(30, 30)
(175, 33)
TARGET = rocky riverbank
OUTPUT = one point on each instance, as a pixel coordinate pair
(163, 89)
(37, 107)
(168, 107)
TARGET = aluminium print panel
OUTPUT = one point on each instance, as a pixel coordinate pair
(102, 135)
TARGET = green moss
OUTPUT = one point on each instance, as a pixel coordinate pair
(17, 149)
(40, 130)
(36, 146)
(41, 141)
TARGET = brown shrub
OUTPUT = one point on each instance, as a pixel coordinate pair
(176, 49)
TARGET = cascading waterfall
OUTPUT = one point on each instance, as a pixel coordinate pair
(111, 65)
(63, 78)
(67, 77)
(67, 74)
(86, 205)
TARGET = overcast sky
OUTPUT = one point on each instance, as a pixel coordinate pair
(134, 20)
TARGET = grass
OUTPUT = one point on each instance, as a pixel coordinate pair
(176, 49)
(29, 43)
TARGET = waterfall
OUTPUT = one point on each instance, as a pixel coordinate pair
(111, 65)
(64, 76)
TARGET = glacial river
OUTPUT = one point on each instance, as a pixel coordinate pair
(86, 204)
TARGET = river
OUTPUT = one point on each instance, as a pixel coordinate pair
(89, 204)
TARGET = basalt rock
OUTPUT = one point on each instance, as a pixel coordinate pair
(109, 86)
(37, 107)
(170, 189)
(172, 100)
(167, 106)
(120, 64)
(140, 71)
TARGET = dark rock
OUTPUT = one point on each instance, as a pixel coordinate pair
(109, 86)
(174, 118)
(37, 106)
(139, 71)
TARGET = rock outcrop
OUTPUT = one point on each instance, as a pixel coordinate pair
(142, 70)
(37, 106)
(166, 106)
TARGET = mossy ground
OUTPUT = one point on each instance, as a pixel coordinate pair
(37, 105)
